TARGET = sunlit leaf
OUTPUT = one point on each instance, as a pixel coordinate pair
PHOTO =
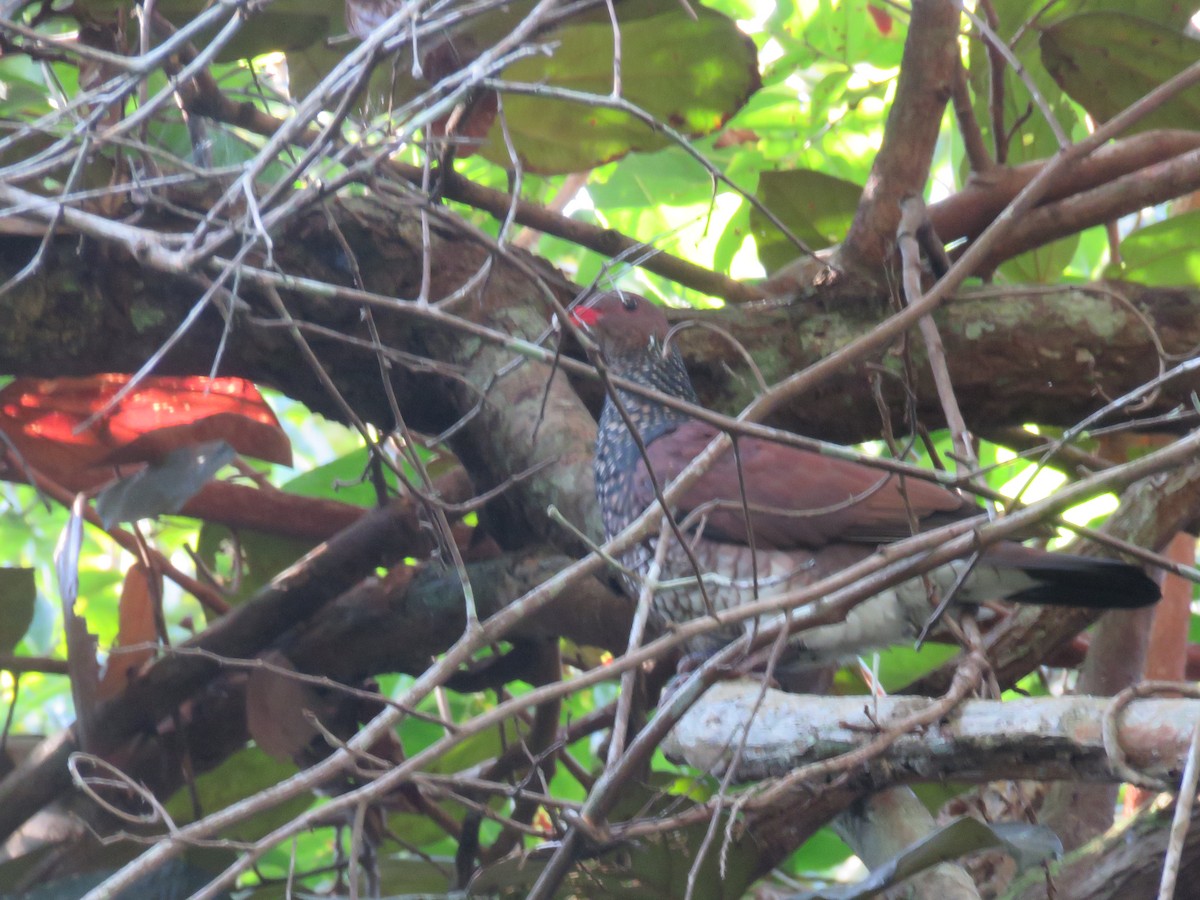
(693, 75)
(1165, 253)
(818, 209)
(45, 419)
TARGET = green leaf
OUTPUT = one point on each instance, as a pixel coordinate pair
(900, 665)
(1165, 253)
(1108, 60)
(820, 854)
(246, 772)
(347, 478)
(691, 74)
(400, 875)
(260, 557)
(670, 177)
(164, 488)
(818, 208)
(18, 593)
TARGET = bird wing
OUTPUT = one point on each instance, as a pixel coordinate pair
(795, 498)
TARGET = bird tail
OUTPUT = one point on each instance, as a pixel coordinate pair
(1062, 579)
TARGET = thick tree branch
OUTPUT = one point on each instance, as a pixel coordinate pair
(967, 212)
(62, 322)
(927, 74)
(1146, 187)
(1045, 738)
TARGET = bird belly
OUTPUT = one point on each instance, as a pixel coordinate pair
(734, 575)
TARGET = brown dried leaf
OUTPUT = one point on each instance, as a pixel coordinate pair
(275, 707)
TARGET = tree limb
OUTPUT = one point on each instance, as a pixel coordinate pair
(901, 167)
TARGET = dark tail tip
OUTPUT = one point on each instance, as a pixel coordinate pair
(1066, 580)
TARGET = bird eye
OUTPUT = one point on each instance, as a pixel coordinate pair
(630, 303)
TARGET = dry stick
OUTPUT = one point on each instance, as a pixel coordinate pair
(996, 43)
(344, 82)
(1183, 816)
(912, 217)
(637, 631)
(502, 205)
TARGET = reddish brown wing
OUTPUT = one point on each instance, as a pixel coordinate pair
(796, 498)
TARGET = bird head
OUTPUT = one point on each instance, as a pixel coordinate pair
(623, 324)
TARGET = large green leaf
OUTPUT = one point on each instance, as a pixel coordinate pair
(1108, 60)
(691, 74)
(1165, 253)
(818, 208)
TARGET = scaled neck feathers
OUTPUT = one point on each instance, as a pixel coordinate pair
(654, 369)
(617, 455)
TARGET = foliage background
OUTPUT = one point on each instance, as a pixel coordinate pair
(722, 123)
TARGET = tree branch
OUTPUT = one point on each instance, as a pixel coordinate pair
(1044, 738)
(901, 167)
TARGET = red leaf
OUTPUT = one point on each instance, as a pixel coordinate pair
(42, 417)
(883, 20)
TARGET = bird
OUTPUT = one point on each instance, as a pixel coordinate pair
(772, 517)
